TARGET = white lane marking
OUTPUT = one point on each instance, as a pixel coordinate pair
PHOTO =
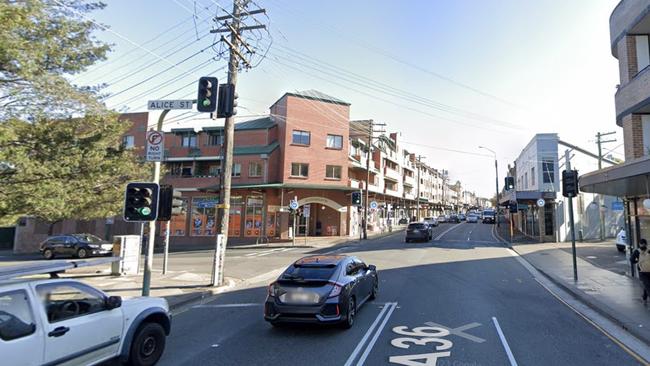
(511, 358)
(446, 231)
(242, 305)
(460, 331)
(215, 346)
(374, 338)
(365, 336)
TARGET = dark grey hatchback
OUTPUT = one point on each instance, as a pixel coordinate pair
(321, 289)
(418, 231)
(76, 245)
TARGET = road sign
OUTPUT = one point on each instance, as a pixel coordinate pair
(155, 145)
(373, 205)
(617, 206)
(306, 210)
(293, 204)
(541, 202)
(170, 104)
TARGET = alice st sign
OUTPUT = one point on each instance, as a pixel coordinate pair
(170, 104)
(155, 145)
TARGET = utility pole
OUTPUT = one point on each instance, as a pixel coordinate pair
(601, 213)
(417, 214)
(233, 25)
(496, 171)
(370, 138)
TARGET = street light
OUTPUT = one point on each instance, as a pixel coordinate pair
(496, 171)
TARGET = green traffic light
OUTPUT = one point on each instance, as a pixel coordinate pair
(146, 211)
(206, 102)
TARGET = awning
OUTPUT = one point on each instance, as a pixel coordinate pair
(526, 196)
(626, 180)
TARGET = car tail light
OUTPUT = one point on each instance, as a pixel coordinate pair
(336, 290)
(272, 289)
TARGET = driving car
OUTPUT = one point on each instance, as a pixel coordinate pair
(403, 221)
(321, 289)
(453, 218)
(75, 245)
(621, 240)
(471, 218)
(442, 219)
(489, 216)
(418, 231)
(58, 321)
(431, 221)
(461, 217)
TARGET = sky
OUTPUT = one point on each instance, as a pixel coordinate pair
(448, 75)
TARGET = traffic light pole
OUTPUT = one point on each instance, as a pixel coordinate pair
(148, 257)
(571, 223)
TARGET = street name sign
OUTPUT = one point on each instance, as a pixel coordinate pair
(617, 206)
(170, 104)
(155, 146)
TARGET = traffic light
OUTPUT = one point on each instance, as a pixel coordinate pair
(141, 201)
(510, 183)
(227, 101)
(169, 203)
(207, 98)
(570, 183)
(356, 199)
(512, 206)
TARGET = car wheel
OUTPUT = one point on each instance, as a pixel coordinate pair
(82, 253)
(375, 290)
(352, 313)
(148, 345)
(621, 248)
(48, 254)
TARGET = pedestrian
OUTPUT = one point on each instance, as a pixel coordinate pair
(641, 258)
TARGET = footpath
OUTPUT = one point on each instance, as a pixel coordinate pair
(613, 295)
(182, 287)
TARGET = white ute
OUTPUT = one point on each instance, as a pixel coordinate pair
(66, 322)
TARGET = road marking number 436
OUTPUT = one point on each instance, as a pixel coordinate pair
(421, 336)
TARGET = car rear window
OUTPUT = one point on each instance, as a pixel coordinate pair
(323, 273)
(416, 226)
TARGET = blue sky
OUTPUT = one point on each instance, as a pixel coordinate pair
(516, 68)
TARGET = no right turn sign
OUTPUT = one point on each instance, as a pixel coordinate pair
(155, 146)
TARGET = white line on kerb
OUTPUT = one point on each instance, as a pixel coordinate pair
(365, 336)
(504, 342)
(374, 338)
(446, 231)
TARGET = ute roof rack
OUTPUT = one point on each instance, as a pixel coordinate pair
(53, 268)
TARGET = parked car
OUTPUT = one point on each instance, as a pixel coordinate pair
(621, 240)
(472, 218)
(489, 217)
(431, 221)
(56, 321)
(403, 221)
(453, 218)
(461, 217)
(76, 245)
(442, 219)
(321, 289)
(418, 231)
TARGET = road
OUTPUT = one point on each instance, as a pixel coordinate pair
(464, 280)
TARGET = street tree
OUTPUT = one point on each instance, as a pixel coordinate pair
(60, 149)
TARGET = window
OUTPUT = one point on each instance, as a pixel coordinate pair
(526, 180)
(186, 171)
(189, 140)
(532, 176)
(236, 170)
(178, 223)
(204, 216)
(254, 169)
(69, 300)
(215, 140)
(253, 220)
(16, 319)
(214, 170)
(300, 137)
(645, 128)
(333, 171)
(299, 170)
(391, 186)
(335, 142)
(548, 171)
(642, 52)
(128, 142)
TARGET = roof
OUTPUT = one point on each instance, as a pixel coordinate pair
(314, 95)
(320, 259)
(256, 149)
(625, 180)
(253, 124)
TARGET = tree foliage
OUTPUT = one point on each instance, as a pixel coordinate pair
(60, 150)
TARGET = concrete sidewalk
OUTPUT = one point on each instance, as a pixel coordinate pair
(615, 296)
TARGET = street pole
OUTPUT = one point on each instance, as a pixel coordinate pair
(229, 141)
(417, 214)
(496, 172)
(365, 212)
(571, 223)
(166, 256)
(601, 214)
(148, 257)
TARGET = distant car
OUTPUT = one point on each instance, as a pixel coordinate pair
(472, 219)
(418, 231)
(63, 321)
(621, 240)
(432, 221)
(403, 221)
(461, 217)
(75, 245)
(321, 289)
(442, 219)
(454, 218)
(488, 217)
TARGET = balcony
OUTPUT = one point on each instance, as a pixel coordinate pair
(633, 96)
(355, 184)
(190, 181)
(409, 196)
(409, 181)
(392, 174)
(625, 19)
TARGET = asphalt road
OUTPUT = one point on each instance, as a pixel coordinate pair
(463, 281)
